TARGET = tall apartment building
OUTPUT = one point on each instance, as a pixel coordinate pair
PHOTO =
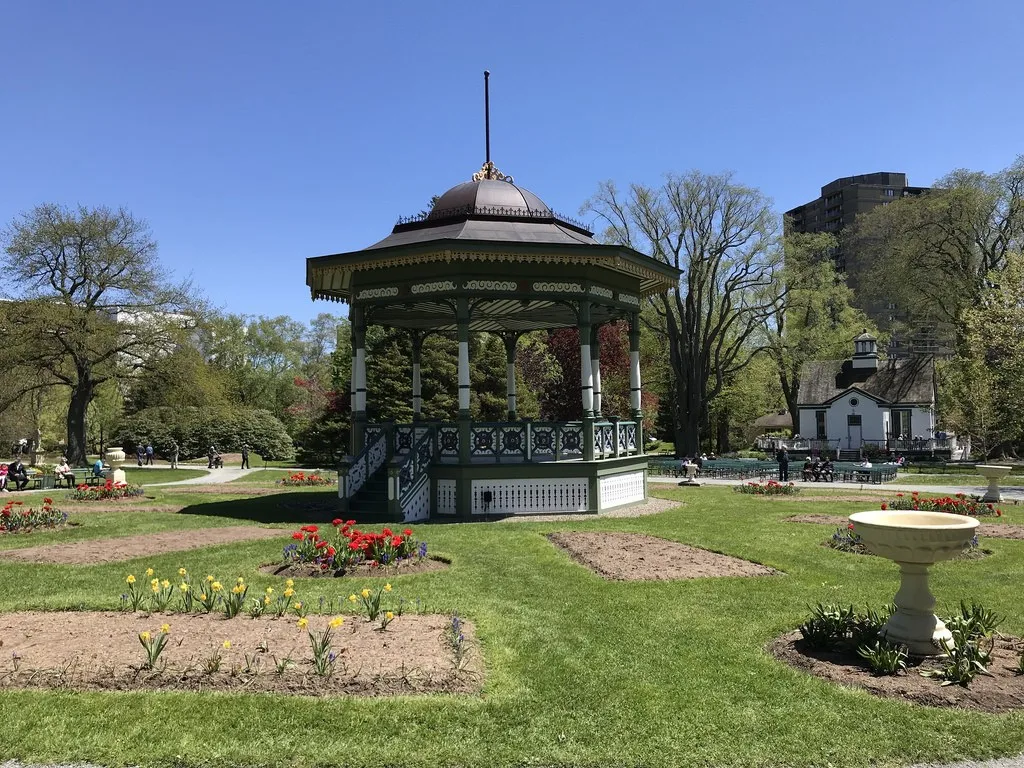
(844, 199)
(840, 203)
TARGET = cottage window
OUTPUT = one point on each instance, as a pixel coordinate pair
(821, 433)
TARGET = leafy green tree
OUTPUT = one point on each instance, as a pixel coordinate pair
(722, 236)
(812, 317)
(982, 387)
(388, 375)
(91, 303)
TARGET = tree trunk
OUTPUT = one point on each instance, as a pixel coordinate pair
(81, 395)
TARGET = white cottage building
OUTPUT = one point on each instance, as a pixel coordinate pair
(863, 401)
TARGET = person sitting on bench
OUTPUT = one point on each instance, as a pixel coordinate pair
(3, 478)
(98, 469)
(63, 472)
(816, 470)
(808, 470)
(863, 470)
(17, 474)
(827, 471)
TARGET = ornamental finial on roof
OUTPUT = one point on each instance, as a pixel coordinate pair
(488, 171)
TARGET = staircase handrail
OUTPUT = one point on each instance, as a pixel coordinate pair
(366, 463)
(414, 467)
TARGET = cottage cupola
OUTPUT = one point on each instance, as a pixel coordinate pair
(865, 351)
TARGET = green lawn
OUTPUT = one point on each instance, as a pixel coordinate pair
(151, 475)
(579, 671)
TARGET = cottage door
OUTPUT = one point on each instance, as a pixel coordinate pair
(854, 433)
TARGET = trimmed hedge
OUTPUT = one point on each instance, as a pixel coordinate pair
(196, 429)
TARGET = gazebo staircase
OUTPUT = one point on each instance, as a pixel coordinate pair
(371, 500)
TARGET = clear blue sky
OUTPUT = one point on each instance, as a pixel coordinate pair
(252, 135)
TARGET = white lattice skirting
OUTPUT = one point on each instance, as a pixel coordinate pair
(525, 497)
(418, 507)
(446, 497)
(617, 490)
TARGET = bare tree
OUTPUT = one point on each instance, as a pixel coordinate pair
(724, 237)
(89, 302)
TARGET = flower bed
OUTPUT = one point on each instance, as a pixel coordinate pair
(302, 479)
(109, 490)
(15, 516)
(350, 548)
(770, 488)
(960, 504)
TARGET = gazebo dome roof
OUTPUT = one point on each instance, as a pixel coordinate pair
(499, 198)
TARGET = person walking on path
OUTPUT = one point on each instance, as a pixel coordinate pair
(245, 456)
(174, 454)
(149, 454)
(783, 458)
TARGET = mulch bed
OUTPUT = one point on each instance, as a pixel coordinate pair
(114, 549)
(993, 530)
(1001, 693)
(41, 529)
(108, 507)
(638, 557)
(837, 497)
(101, 651)
(363, 570)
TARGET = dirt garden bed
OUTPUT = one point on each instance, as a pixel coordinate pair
(115, 506)
(101, 651)
(114, 549)
(993, 530)
(362, 570)
(638, 557)
(230, 489)
(1002, 692)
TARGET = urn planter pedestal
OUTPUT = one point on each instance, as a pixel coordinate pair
(914, 541)
(993, 473)
(115, 458)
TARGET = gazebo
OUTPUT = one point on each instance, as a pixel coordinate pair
(491, 256)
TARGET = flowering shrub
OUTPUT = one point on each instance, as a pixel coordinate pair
(770, 488)
(301, 478)
(350, 547)
(959, 504)
(15, 516)
(109, 490)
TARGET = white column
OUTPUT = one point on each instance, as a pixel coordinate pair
(417, 398)
(463, 375)
(510, 375)
(595, 365)
(360, 375)
(634, 380)
(586, 375)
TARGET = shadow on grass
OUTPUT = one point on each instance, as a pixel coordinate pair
(305, 507)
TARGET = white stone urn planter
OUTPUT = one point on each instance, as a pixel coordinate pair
(914, 541)
(993, 473)
(115, 458)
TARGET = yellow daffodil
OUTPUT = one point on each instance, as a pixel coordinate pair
(241, 580)
(130, 579)
(298, 606)
(183, 587)
(165, 628)
(216, 586)
(336, 622)
(389, 615)
(270, 590)
(365, 593)
(351, 598)
(182, 572)
(155, 588)
(289, 592)
(165, 583)
(302, 623)
(209, 578)
(154, 582)
(202, 596)
(290, 583)
(387, 587)
(227, 645)
(238, 589)
(149, 571)
(266, 601)
(144, 636)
